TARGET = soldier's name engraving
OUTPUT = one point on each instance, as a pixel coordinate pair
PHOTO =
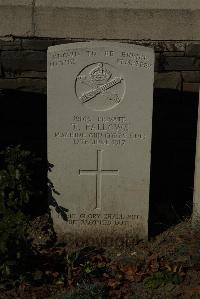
(105, 127)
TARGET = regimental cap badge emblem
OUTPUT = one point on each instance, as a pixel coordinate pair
(100, 74)
(100, 86)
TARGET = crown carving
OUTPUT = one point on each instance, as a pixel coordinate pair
(100, 75)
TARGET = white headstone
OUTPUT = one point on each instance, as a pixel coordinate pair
(196, 197)
(100, 99)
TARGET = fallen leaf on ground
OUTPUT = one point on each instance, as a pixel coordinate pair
(113, 283)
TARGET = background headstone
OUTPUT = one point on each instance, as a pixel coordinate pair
(196, 198)
(100, 99)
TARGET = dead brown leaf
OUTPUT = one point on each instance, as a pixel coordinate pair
(129, 272)
(194, 290)
(113, 283)
(153, 264)
(55, 274)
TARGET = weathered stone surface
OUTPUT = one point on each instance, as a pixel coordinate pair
(59, 41)
(0, 66)
(10, 43)
(24, 84)
(108, 19)
(161, 46)
(173, 54)
(135, 24)
(19, 61)
(16, 18)
(158, 46)
(32, 74)
(168, 48)
(191, 87)
(37, 44)
(180, 63)
(193, 49)
(15, 2)
(26, 74)
(171, 80)
(100, 98)
(157, 62)
(196, 197)
(189, 76)
(129, 4)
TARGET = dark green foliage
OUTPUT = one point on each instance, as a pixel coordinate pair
(15, 248)
(16, 193)
(162, 278)
(18, 185)
(86, 291)
(12, 231)
(51, 200)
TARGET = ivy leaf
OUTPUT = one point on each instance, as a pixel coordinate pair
(11, 169)
(17, 174)
(37, 275)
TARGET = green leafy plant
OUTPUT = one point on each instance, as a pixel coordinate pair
(15, 248)
(86, 291)
(162, 278)
(16, 178)
(16, 193)
(70, 260)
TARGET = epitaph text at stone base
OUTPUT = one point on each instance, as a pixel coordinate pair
(100, 101)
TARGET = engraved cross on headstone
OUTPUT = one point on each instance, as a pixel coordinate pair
(98, 173)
